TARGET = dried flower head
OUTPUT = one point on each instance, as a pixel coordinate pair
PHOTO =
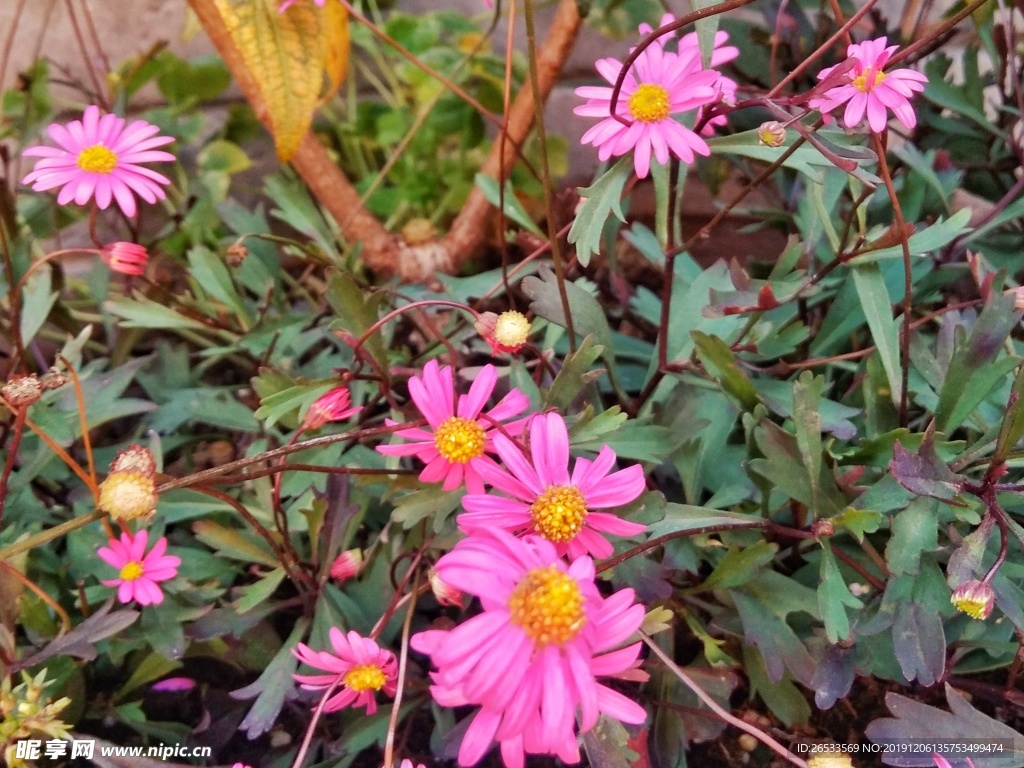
(975, 598)
(54, 379)
(134, 458)
(772, 133)
(126, 258)
(127, 495)
(506, 333)
(21, 391)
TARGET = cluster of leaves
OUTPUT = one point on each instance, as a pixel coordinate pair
(801, 536)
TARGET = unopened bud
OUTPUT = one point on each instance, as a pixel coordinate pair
(975, 598)
(236, 254)
(823, 528)
(772, 133)
(347, 565)
(444, 593)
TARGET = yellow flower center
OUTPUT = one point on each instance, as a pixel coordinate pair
(548, 605)
(365, 677)
(511, 329)
(868, 79)
(649, 103)
(973, 607)
(131, 571)
(97, 159)
(559, 512)
(459, 440)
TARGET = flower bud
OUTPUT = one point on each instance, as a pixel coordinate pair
(126, 258)
(236, 254)
(772, 133)
(21, 391)
(347, 565)
(975, 598)
(332, 406)
(506, 333)
(444, 593)
(127, 495)
(134, 458)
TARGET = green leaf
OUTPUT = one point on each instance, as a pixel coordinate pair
(1012, 428)
(36, 302)
(424, 503)
(513, 208)
(223, 156)
(636, 439)
(146, 313)
(233, 544)
(834, 597)
(212, 276)
(858, 521)
(600, 200)
(785, 700)
(927, 240)
(740, 566)
(357, 311)
(259, 592)
(783, 467)
(686, 517)
(574, 375)
(807, 423)
(969, 379)
(152, 667)
(272, 687)
(720, 362)
(914, 531)
(874, 299)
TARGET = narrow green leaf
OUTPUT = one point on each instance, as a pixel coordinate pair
(212, 275)
(834, 597)
(513, 208)
(874, 299)
(574, 374)
(807, 423)
(720, 362)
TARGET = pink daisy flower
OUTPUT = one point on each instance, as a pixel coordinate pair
(660, 85)
(98, 157)
(460, 430)
(137, 572)
(870, 90)
(363, 666)
(332, 406)
(720, 54)
(530, 660)
(543, 499)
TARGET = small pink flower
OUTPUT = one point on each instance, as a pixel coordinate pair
(241, 765)
(460, 430)
(347, 565)
(126, 258)
(407, 763)
(138, 572)
(530, 660)
(98, 157)
(868, 89)
(333, 406)
(941, 762)
(543, 499)
(363, 666)
(660, 85)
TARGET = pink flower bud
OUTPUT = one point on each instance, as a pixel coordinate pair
(975, 598)
(333, 406)
(347, 565)
(772, 133)
(126, 258)
(506, 333)
(445, 594)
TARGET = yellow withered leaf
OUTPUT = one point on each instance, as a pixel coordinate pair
(287, 54)
(337, 43)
